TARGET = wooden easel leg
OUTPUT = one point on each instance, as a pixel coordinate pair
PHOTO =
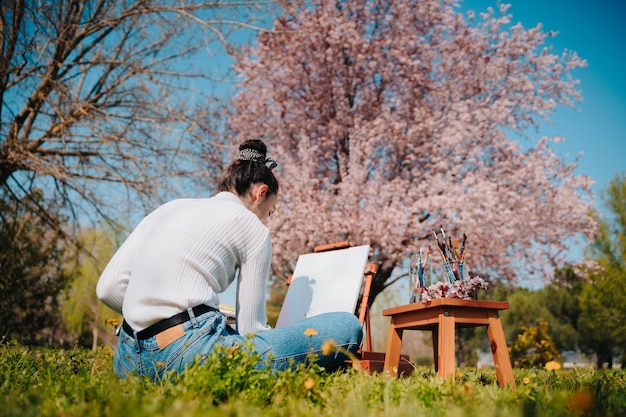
(394, 345)
(501, 358)
(364, 315)
(368, 333)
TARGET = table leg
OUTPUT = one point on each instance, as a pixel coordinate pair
(435, 335)
(446, 358)
(394, 345)
(501, 359)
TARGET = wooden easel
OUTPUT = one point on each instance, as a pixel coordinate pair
(368, 275)
(370, 361)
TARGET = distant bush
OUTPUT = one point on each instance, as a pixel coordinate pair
(534, 347)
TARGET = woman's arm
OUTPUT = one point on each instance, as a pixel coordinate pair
(111, 287)
(251, 288)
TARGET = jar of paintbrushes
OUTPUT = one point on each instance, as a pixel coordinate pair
(451, 281)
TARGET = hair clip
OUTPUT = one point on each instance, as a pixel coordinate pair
(256, 156)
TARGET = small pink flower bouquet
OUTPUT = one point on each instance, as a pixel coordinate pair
(462, 289)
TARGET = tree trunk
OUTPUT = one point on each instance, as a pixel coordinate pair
(605, 355)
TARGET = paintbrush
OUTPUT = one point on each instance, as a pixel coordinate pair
(444, 256)
(462, 254)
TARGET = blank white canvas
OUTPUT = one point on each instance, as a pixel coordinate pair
(324, 282)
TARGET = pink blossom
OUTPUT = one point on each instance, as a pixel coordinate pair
(390, 121)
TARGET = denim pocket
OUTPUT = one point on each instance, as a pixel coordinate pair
(125, 359)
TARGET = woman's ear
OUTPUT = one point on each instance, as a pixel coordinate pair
(259, 193)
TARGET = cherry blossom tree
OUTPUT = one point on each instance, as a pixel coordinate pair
(391, 118)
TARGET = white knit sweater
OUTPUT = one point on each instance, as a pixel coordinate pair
(185, 253)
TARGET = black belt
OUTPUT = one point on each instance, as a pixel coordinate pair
(162, 325)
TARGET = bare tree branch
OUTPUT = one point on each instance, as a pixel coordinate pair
(100, 100)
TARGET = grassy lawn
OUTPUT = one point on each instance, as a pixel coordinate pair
(78, 382)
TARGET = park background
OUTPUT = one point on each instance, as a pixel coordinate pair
(593, 132)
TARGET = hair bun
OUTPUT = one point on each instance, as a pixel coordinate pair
(255, 145)
(255, 150)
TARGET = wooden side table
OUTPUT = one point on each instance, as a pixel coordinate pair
(442, 316)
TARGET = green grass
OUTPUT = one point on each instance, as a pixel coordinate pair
(77, 382)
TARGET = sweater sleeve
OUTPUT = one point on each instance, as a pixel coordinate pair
(111, 287)
(251, 289)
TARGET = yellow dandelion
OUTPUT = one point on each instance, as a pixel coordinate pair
(460, 374)
(329, 347)
(232, 350)
(113, 322)
(309, 383)
(160, 364)
(552, 366)
(310, 332)
(108, 352)
(526, 381)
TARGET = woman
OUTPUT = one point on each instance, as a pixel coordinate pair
(166, 277)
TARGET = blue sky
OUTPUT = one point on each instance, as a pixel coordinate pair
(596, 30)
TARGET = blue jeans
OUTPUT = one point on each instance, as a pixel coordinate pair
(281, 348)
